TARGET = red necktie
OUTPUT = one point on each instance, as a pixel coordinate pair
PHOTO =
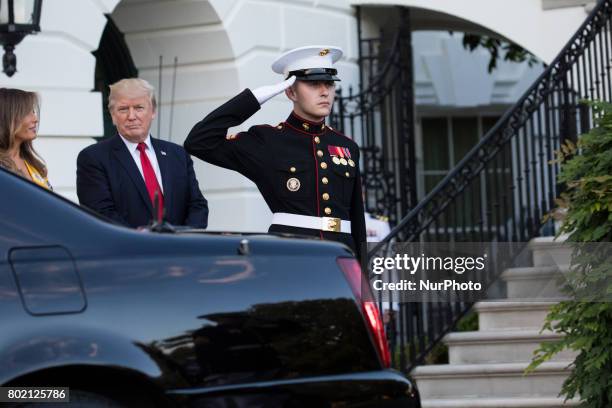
(150, 179)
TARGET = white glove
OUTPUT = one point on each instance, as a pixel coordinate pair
(264, 93)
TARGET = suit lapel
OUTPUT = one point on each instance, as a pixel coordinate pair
(124, 157)
(164, 169)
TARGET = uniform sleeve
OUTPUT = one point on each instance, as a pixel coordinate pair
(358, 228)
(209, 141)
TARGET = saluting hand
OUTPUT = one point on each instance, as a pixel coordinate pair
(264, 93)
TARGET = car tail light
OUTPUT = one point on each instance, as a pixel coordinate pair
(361, 290)
(378, 329)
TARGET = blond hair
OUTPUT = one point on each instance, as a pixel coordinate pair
(131, 87)
(15, 105)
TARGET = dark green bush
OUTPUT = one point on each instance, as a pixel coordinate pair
(586, 320)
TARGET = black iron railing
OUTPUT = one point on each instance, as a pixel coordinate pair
(381, 117)
(502, 189)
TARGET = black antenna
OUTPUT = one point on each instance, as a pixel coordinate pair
(172, 99)
(159, 96)
(158, 223)
(159, 212)
(155, 220)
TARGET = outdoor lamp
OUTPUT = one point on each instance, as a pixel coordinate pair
(18, 18)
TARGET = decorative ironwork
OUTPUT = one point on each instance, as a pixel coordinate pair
(510, 165)
(381, 116)
(549, 112)
(509, 169)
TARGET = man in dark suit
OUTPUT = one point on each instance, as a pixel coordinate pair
(123, 176)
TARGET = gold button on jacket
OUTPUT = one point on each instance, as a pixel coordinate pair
(293, 165)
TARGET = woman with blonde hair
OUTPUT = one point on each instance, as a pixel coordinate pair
(18, 129)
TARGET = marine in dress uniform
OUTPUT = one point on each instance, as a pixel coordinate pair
(307, 172)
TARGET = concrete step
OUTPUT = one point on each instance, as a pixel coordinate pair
(498, 403)
(548, 251)
(503, 346)
(537, 282)
(490, 380)
(512, 315)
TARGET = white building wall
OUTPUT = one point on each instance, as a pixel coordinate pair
(542, 31)
(58, 64)
(222, 46)
(449, 76)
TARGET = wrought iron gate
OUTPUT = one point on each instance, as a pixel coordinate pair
(511, 161)
(381, 115)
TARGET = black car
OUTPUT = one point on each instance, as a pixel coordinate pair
(138, 318)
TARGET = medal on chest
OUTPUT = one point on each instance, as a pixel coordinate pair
(341, 155)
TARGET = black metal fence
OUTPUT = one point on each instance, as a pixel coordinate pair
(381, 116)
(503, 188)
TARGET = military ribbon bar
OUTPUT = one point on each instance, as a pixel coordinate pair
(339, 151)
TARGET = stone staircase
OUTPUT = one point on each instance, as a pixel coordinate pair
(486, 367)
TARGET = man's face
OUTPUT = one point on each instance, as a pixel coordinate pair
(312, 100)
(132, 115)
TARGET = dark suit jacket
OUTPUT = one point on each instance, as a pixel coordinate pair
(108, 181)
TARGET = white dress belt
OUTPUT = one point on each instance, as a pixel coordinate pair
(306, 221)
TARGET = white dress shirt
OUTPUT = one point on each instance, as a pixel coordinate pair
(133, 149)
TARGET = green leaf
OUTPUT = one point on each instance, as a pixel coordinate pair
(586, 175)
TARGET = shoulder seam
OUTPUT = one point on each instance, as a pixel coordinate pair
(341, 134)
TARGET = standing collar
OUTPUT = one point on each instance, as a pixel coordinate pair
(305, 125)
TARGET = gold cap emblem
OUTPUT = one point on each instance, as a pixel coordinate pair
(323, 52)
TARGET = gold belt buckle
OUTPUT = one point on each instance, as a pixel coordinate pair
(331, 224)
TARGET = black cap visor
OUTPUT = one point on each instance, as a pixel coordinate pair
(315, 74)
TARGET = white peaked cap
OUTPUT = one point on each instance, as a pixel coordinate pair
(310, 56)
